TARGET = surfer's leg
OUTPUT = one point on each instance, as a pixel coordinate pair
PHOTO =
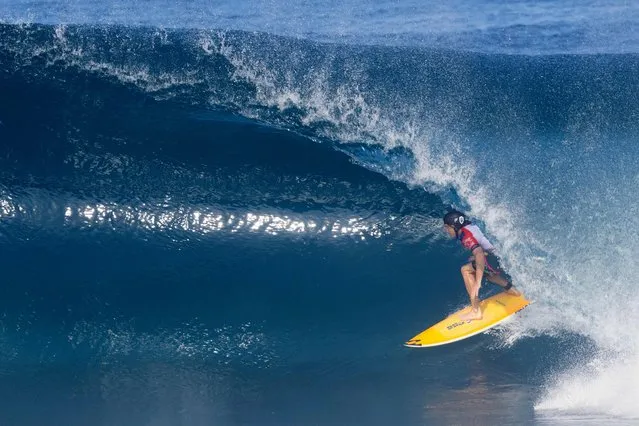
(502, 282)
(468, 273)
(495, 275)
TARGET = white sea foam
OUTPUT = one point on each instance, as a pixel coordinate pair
(604, 384)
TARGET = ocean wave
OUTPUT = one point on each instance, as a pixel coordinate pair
(214, 131)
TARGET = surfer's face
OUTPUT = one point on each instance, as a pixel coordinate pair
(450, 230)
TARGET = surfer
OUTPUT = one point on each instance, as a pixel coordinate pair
(458, 226)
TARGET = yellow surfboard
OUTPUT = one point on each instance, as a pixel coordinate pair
(495, 309)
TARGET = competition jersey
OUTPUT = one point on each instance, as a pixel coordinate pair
(471, 238)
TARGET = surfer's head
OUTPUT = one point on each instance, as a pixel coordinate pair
(454, 221)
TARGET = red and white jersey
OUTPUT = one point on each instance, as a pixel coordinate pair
(471, 238)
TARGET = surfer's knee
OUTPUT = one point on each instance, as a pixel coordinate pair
(467, 269)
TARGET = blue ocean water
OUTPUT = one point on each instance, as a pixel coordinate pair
(230, 212)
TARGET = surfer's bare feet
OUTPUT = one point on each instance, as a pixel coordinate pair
(471, 315)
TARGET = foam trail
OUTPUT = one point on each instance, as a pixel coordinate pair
(607, 384)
